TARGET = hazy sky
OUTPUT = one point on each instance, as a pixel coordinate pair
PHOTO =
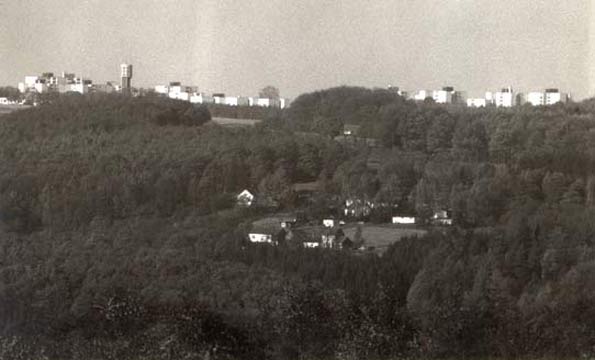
(239, 46)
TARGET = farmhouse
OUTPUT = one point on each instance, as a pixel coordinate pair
(245, 198)
(311, 244)
(403, 219)
(329, 222)
(260, 237)
(442, 217)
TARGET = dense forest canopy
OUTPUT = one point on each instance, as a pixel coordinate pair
(120, 238)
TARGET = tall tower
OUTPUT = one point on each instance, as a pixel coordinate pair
(126, 75)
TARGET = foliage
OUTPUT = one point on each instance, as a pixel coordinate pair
(119, 237)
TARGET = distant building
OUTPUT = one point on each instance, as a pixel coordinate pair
(479, 102)
(536, 98)
(162, 89)
(548, 97)
(443, 96)
(126, 76)
(260, 237)
(329, 222)
(403, 220)
(504, 97)
(421, 95)
(311, 244)
(442, 217)
(231, 100)
(553, 96)
(201, 99)
(245, 198)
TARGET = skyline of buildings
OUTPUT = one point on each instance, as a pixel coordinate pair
(69, 82)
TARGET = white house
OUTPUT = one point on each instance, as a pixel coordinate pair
(245, 198)
(441, 217)
(182, 95)
(259, 237)
(328, 241)
(329, 223)
(403, 220)
(4, 101)
(311, 244)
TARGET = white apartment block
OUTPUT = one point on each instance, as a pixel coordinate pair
(547, 97)
(201, 99)
(553, 96)
(443, 96)
(48, 82)
(162, 89)
(536, 98)
(232, 100)
(421, 95)
(179, 95)
(478, 102)
(504, 98)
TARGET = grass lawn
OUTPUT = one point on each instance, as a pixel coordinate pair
(5, 109)
(235, 122)
(381, 236)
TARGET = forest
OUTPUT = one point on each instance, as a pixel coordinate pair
(120, 237)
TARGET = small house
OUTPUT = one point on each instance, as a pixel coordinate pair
(263, 234)
(328, 222)
(403, 220)
(350, 130)
(442, 217)
(328, 240)
(311, 244)
(245, 198)
(260, 237)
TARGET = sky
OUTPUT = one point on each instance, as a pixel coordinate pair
(240, 46)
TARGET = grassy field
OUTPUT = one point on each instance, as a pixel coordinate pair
(235, 122)
(5, 109)
(381, 236)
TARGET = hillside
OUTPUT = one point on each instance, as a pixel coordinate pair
(120, 237)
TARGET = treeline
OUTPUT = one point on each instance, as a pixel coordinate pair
(119, 237)
(242, 111)
(9, 92)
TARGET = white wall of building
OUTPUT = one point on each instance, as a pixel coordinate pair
(442, 96)
(264, 102)
(162, 89)
(311, 244)
(179, 95)
(231, 100)
(403, 220)
(552, 98)
(328, 223)
(479, 102)
(422, 95)
(261, 238)
(40, 87)
(504, 99)
(536, 98)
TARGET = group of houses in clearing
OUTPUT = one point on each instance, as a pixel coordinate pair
(283, 227)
